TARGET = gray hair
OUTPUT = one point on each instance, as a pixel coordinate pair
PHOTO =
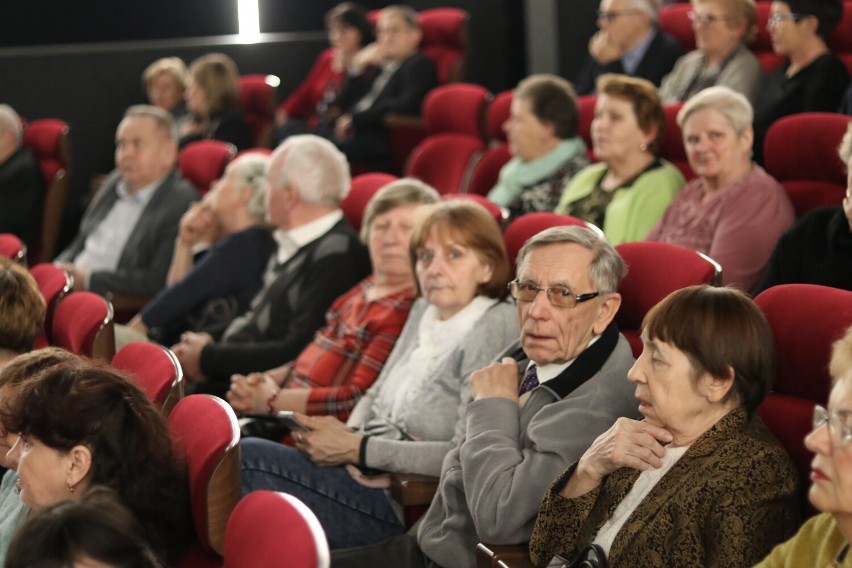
(607, 268)
(650, 8)
(173, 66)
(10, 121)
(732, 105)
(162, 118)
(405, 191)
(408, 14)
(314, 166)
(250, 170)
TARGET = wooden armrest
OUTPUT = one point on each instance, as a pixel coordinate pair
(403, 120)
(126, 305)
(511, 555)
(409, 489)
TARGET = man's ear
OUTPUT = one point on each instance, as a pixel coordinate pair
(606, 312)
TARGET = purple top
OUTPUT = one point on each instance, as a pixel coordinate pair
(737, 226)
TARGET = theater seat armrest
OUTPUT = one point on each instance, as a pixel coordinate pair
(409, 489)
(511, 555)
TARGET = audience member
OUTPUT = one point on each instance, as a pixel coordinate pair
(96, 531)
(345, 357)
(543, 140)
(20, 180)
(164, 82)
(629, 42)
(818, 248)
(518, 434)
(81, 424)
(410, 418)
(388, 76)
(127, 233)
(212, 97)
(22, 310)
(20, 369)
(318, 258)
(733, 211)
(628, 191)
(824, 539)
(701, 480)
(813, 80)
(206, 295)
(723, 29)
(311, 105)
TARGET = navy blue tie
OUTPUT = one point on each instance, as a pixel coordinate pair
(530, 380)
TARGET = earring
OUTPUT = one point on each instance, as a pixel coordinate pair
(643, 146)
(70, 488)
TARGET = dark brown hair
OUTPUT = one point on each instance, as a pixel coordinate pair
(646, 101)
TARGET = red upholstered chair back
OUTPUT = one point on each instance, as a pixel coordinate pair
(500, 214)
(654, 270)
(529, 225)
(83, 324)
(54, 283)
(671, 141)
(203, 162)
(445, 41)
(675, 22)
(13, 248)
(487, 169)
(586, 111)
(50, 141)
(155, 369)
(809, 169)
(458, 108)
(840, 40)
(805, 320)
(445, 161)
(257, 102)
(361, 191)
(204, 429)
(268, 527)
(498, 112)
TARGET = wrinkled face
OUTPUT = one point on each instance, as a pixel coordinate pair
(713, 146)
(165, 91)
(345, 38)
(618, 19)
(715, 35)
(667, 389)
(226, 193)
(831, 468)
(41, 471)
(615, 130)
(449, 272)
(388, 240)
(551, 334)
(787, 34)
(143, 151)
(396, 38)
(529, 138)
(196, 99)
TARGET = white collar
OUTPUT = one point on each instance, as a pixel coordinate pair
(291, 241)
(553, 370)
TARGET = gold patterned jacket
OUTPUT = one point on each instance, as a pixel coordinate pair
(726, 502)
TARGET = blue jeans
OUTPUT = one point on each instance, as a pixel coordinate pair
(351, 514)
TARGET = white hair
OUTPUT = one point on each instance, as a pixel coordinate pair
(250, 170)
(314, 166)
(649, 7)
(10, 121)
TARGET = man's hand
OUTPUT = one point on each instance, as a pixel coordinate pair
(188, 352)
(496, 380)
(368, 55)
(343, 127)
(603, 49)
(198, 225)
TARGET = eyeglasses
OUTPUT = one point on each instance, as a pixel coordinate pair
(839, 429)
(559, 296)
(703, 19)
(613, 14)
(775, 19)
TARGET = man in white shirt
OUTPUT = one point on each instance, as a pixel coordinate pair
(127, 234)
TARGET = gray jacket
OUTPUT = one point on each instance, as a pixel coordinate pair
(493, 482)
(145, 260)
(742, 72)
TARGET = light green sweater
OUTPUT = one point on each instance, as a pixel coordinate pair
(817, 543)
(634, 209)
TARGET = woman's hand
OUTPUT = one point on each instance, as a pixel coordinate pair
(198, 224)
(628, 443)
(330, 442)
(250, 393)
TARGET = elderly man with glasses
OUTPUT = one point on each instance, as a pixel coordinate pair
(628, 42)
(533, 413)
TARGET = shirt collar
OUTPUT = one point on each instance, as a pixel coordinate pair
(631, 60)
(142, 196)
(553, 370)
(291, 241)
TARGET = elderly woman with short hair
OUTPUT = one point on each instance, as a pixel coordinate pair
(723, 29)
(164, 82)
(824, 539)
(733, 211)
(543, 140)
(628, 191)
(700, 481)
(206, 291)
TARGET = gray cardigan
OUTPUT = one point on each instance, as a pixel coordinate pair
(493, 482)
(741, 73)
(443, 403)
